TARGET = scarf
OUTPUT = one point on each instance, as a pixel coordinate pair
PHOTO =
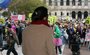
(39, 22)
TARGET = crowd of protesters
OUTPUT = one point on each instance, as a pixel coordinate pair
(65, 33)
(37, 36)
(69, 28)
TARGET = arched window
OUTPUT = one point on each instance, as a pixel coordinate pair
(50, 2)
(61, 2)
(55, 13)
(61, 13)
(56, 2)
(79, 2)
(67, 14)
(73, 14)
(86, 2)
(50, 13)
(80, 15)
(85, 14)
(67, 2)
(73, 2)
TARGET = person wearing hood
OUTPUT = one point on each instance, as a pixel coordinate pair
(37, 37)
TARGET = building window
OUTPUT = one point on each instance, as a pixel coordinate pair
(61, 13)
(73, 14)
(56, 2)
(67, 2)
(86, 2)
(67, 14)
(85, 14)
(73, 2)
(50, 13)
(61, 2)
(55, 13)
(79, 2)
(50, 2)
(80, 15)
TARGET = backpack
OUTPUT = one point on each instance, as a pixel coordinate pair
(10, 39)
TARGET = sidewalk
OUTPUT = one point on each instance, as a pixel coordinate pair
(18, 49)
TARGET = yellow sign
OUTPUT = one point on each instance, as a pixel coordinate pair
(87, 20)
(52, 20)
(2, 21)
(30, 15)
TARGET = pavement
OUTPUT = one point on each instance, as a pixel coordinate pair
(18, 49)
(83, 51)
(65, 51)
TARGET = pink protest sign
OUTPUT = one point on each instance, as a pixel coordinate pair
(14, 17)
(18, 17)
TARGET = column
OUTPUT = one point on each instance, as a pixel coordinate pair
(82, 15)
(70, 2)
(53, 3)
(76, 15)
(76, 2)
(64, 2)
(83, 3)
(58, 2)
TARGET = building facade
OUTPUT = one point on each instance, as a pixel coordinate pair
(73, 8)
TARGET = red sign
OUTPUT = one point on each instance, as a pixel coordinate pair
(14, 17)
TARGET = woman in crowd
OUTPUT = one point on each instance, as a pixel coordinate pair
(11, 40)
(57, 40)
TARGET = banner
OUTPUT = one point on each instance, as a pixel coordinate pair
(14, 17)
(18, 17)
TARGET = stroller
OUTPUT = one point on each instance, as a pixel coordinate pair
(75, 44)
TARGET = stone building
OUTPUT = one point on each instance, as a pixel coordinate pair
(73, 8)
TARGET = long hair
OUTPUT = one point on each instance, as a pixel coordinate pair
(40, 13)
